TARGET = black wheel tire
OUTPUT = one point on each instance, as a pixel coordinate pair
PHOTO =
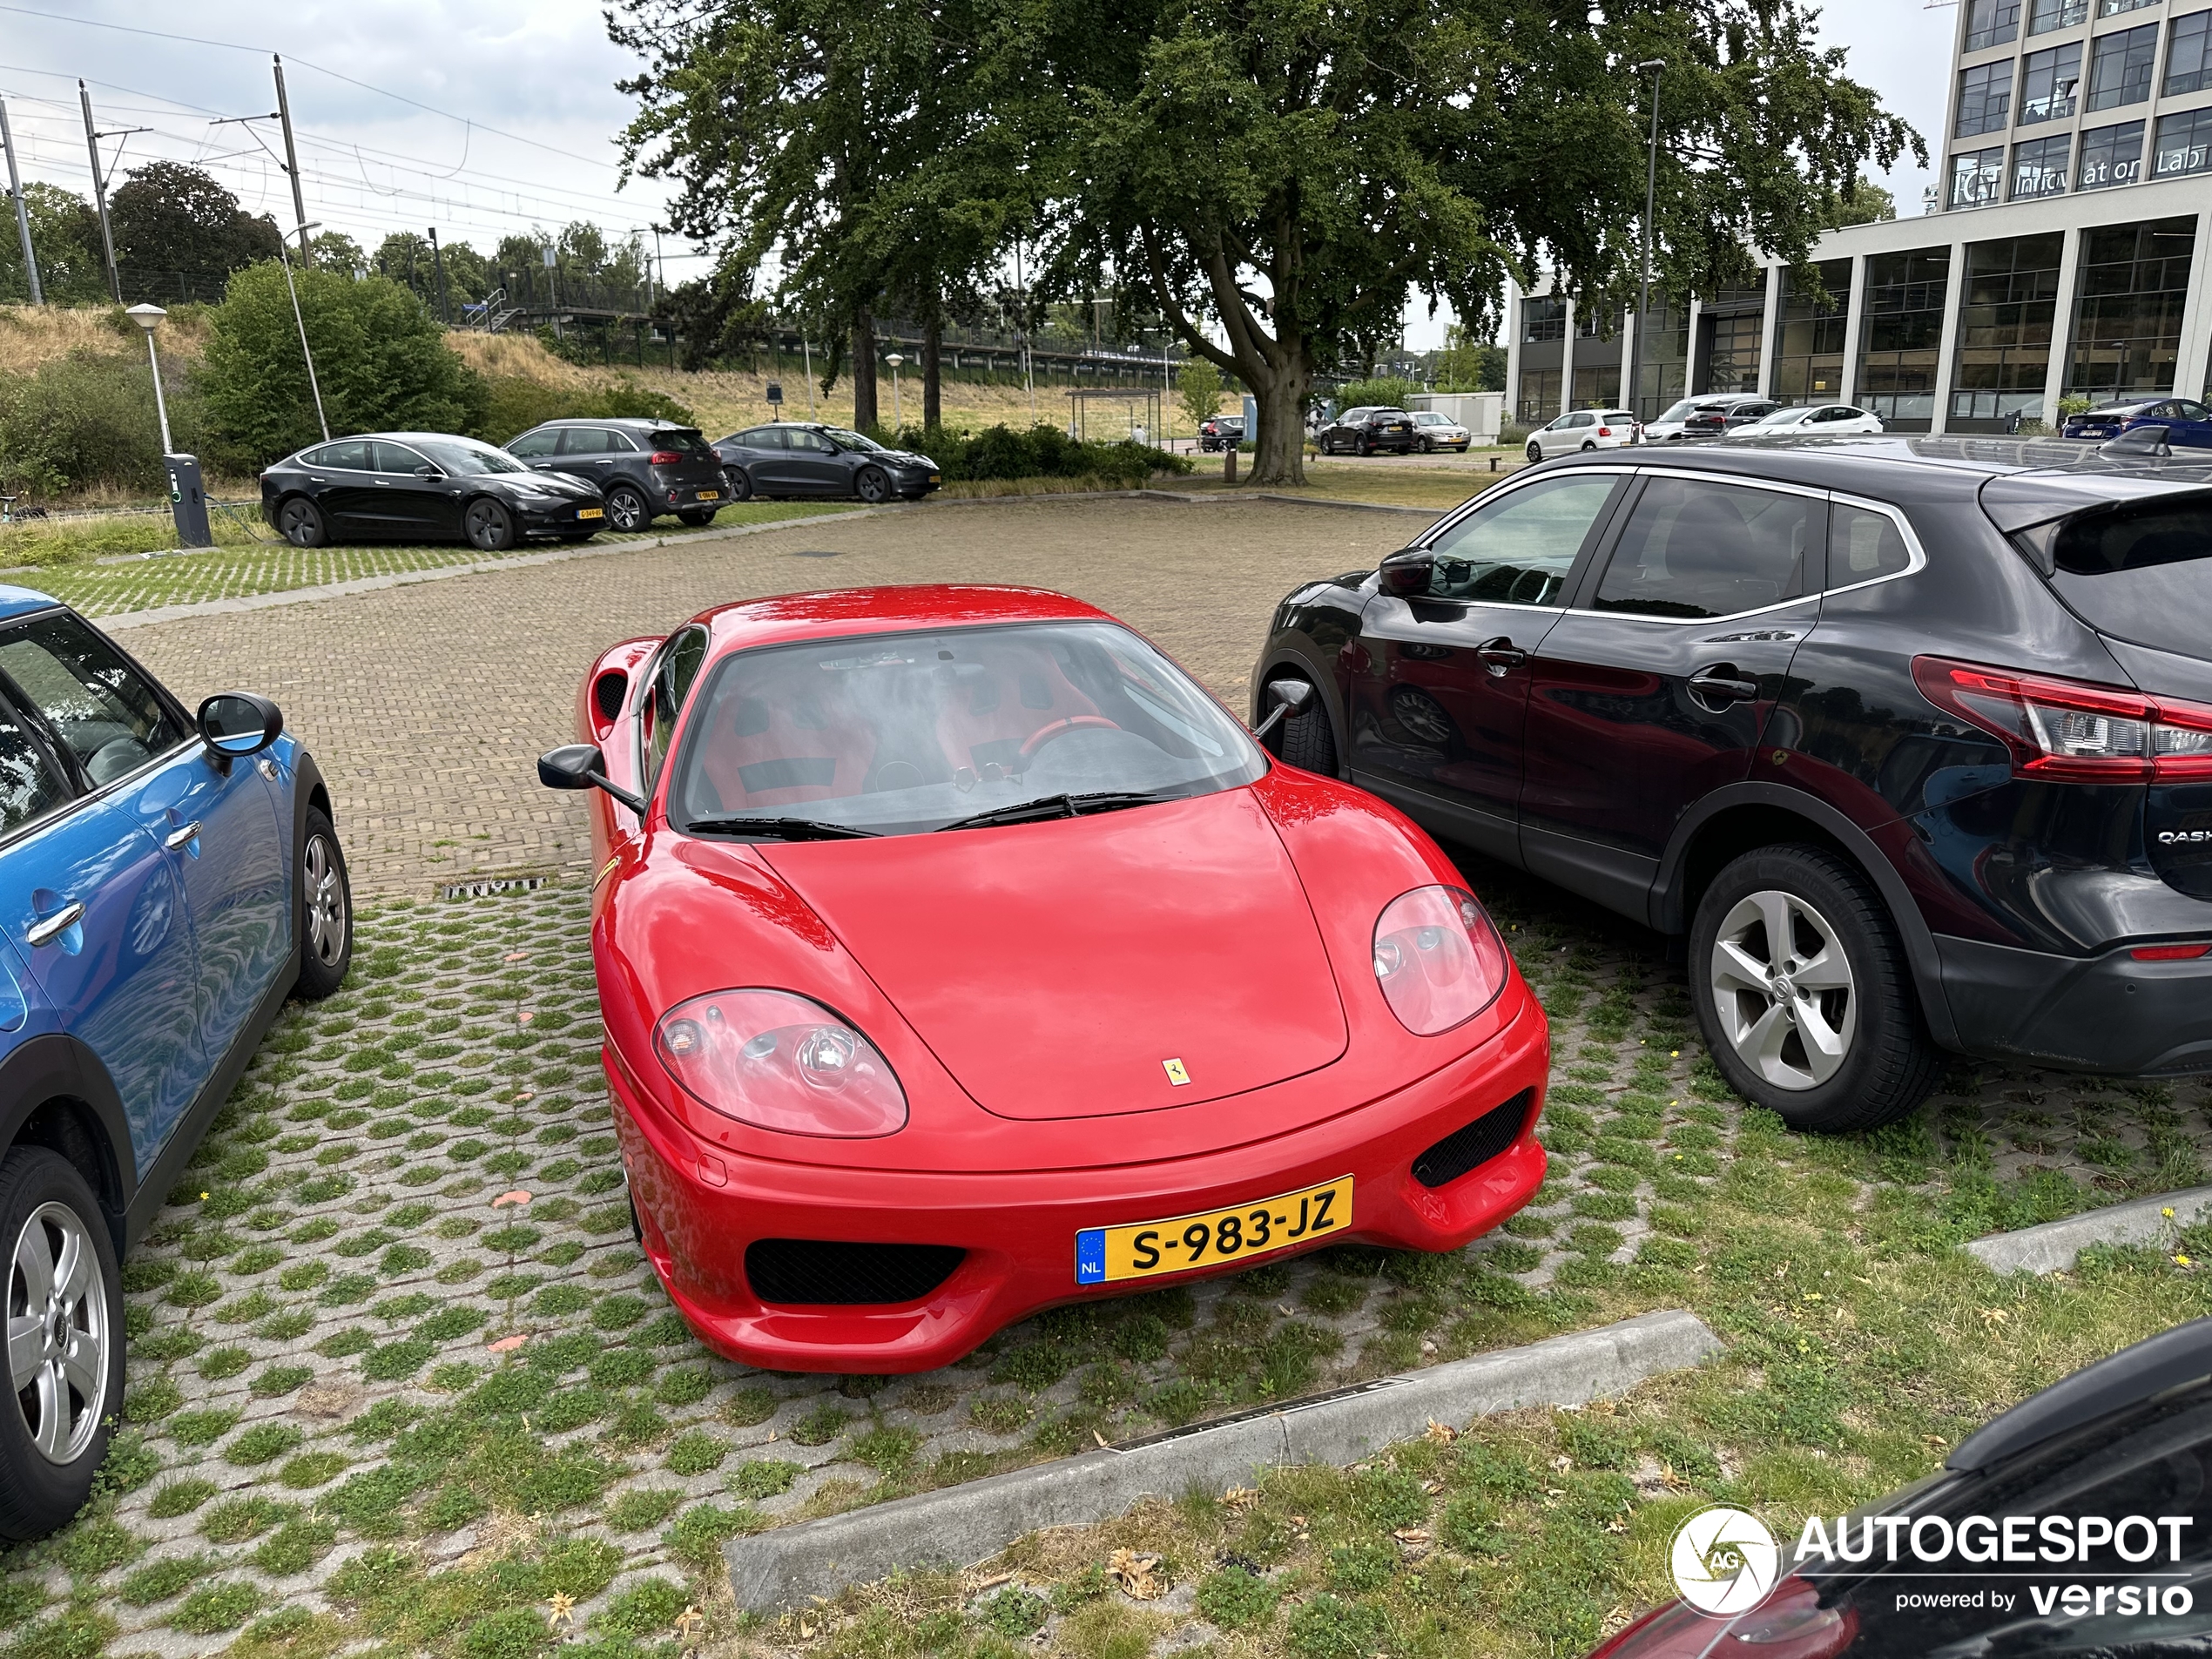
(872, 485)
(627, 511)
(300, 523)
(740, 486)
(489, 526)
(1366, 447)
(1308, 743)
(1534, 454)
(1587, 446)
(704, 517)
(325, 916)
(37, 1493)
(1890, 1065)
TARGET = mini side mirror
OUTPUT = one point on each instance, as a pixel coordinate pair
(1407, 575)
(580, 766)
(237, 724)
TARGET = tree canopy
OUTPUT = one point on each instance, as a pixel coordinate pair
(173, 222)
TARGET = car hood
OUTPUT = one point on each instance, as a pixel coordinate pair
(906, 458)
(1056, 970)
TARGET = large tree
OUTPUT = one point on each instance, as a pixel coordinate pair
(1290, 172)
(178, 232)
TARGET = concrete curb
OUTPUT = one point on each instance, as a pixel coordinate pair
(2052, 1247)
(962, 1524)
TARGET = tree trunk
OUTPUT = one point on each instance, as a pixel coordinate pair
(1280, 391)
(864, 407)
(933, 389)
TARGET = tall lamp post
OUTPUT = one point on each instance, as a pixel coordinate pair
(148, 317)
(300, 322)
(895, 359)
(187, 491)
(1634, 398)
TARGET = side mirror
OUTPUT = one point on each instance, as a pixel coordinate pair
(427, 472)
(1408, 574)
(580, 766)
(236, 724)
(1292, 697)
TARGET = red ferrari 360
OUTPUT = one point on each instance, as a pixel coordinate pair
(960, 956)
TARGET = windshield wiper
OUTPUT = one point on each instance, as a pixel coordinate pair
(1029, 812)
(779, 829)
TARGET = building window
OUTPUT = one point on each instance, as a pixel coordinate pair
(1597, 386)
(2039, 169)
(2127, 308)
(1985, 98)
(2114, 8)
(1665, 358)
(1902, 336)
(1595, 322)
(2046, 15)
(2008, 306)
(1733, 364)
(2120, 67)
(2112, 156)
(2188, 54)
(1539, 396)
(1991, 22)
(1976, 177)
(1809, 348)
(2048, 81)
(2183, 145)
(1543, 317)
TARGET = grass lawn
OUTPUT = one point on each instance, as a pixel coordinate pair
(1439, 488)
(232, 570)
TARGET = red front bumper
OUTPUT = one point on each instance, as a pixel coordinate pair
(1019, 1229)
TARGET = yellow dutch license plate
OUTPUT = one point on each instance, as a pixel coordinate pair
(1143, 1249)
(710, 494)
(935, 479)
(591, 512)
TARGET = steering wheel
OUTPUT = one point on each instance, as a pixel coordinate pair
(1045, 734)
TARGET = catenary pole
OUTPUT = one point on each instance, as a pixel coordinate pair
(292, 166)
(100, 193)
(23, 213)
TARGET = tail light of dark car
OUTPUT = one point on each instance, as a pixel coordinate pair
(2071, 732)
(666, 458)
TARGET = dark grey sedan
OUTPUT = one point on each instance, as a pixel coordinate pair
(789, 458)
(644, 468)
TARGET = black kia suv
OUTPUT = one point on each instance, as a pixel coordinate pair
(1909, 738)
(644, 467)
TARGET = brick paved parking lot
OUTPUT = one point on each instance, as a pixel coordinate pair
(371, 1404)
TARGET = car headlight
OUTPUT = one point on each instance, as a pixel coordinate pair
(1438, 958)
(779, 1061)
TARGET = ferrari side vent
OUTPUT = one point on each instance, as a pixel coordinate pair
(818, 1272)
(1476, 1143)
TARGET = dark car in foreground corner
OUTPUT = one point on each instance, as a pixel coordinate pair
(422, 486)
(2091, 1499)
(794, 458)
(2187, 424)
(644, 468)
(1363, 431)
(1908, 739)
(167, 878)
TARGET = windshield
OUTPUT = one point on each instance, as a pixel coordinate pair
(1784, 417)
(854, 441)
(465, 457)
(1679, 412)
(896, 734)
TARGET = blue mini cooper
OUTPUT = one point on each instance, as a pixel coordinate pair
(167, 879)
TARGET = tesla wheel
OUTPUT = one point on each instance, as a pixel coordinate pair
(491, 527)
(1534, 454)
(626, 509)
(740, 486)
(1308, 742)
(300, 523)
(872, 486)
(1804, 995)
(326, 910)
(696, 518)
(64, 1316)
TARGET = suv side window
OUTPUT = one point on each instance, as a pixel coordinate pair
(585, 441)
(1693, 549)
(1519, 548)
(101, 708)
(29, 787)
(533, 445)
(673, 676)
(1864, 544)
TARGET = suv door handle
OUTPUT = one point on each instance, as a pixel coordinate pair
(44, 933)
(1500, 654)
(1720, 686)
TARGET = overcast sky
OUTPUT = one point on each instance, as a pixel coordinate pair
(521, 117)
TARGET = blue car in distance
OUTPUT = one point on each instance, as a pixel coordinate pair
(2187, 422)
(167, 878)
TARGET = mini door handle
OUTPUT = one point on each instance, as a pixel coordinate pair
(54, 926)
(1722, 688)
(1500, 654)
(182, 834)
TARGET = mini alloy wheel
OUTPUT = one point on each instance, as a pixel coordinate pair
(1784, 989)
(326, 910)
(491, 527)
(58, 1333)
(627, 511)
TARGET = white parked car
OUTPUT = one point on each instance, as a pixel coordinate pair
(1668, 428)
(1809, 420)
(1579, 430)
(1432, 431)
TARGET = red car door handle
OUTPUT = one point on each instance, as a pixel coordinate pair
(1500, 654)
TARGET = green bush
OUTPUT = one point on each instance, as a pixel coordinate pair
(514, 404)
(89, 419)
(1000, 452)
(1386, 391)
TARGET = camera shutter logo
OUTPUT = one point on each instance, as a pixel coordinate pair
(1724, 1562)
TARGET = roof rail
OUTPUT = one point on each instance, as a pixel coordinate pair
(2172, 1357)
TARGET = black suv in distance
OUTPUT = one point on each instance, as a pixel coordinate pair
(1722, 417)
(1363, 431)
(644, 467)
(1910, 736)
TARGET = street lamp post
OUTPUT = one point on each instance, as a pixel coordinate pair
(148, 317)
(895, 359)
(1634, 390)
(300, 322)
(187, 491)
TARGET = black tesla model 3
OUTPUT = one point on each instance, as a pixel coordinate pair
(423, 487)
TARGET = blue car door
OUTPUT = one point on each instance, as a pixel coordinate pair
(90, 905)
(214, 821)
(2190, 425)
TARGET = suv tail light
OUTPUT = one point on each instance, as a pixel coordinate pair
(2070, 731)
(666, 458)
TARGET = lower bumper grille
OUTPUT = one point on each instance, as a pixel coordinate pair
(822, 1273)
(1474, 1143)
